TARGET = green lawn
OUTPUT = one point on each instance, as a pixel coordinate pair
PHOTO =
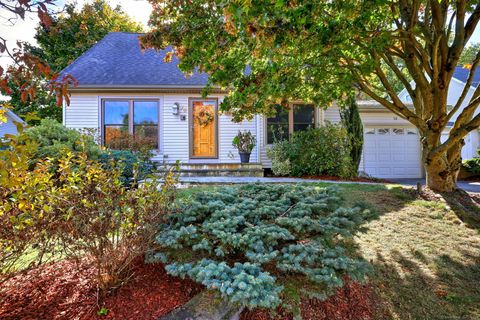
(426, 261)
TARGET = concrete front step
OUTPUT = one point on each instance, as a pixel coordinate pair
(207, 305)
(217, 170)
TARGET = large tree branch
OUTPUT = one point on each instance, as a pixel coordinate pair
(401, 110)
(386, 84)
(468, 111)
(471, 24)
(391, 63)
(466, 88)
(456, 136)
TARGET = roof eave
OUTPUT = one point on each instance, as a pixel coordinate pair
(145, 88)
(14, 117)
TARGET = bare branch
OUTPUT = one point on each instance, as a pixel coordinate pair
(391, 63)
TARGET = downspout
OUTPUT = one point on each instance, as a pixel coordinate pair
(321, 117)
(64, 114)
(257, 126)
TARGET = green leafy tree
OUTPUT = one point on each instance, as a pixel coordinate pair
(43, 105)
(317, 50)
(67, 36)
(74, 32)
(469, 54)
(353, 124)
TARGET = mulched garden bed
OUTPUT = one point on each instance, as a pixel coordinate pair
(64, 291)
(352, 302)
(335, 178)
(355, 179)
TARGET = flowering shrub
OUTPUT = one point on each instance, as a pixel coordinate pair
(242, 241)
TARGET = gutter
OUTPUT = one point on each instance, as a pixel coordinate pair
(145, 88)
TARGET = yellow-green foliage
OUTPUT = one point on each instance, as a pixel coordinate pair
(80, 208)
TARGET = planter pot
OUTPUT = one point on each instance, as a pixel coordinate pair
(244, 157)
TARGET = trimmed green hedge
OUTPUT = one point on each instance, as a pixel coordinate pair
(472, 165)
(319, 151)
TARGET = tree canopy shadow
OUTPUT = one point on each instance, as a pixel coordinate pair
(409, 290)
(424, 251)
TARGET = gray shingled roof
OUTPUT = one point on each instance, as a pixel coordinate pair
(117, 60)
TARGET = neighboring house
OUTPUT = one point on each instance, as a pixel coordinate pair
(9, 127)
(472, 140)
(122, 89)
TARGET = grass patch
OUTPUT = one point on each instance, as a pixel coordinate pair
(426, 261)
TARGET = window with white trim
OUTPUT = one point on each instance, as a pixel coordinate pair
(298, 117)
(135, 117)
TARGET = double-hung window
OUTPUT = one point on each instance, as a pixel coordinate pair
(298, 117)
(135, 117)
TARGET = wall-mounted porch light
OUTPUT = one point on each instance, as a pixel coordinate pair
(176, 108)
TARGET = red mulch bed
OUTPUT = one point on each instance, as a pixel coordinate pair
(352, 302)
(356, 179)
(335, 178)
(63, 290)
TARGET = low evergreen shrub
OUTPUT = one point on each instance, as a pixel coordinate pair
(245, 241)
(131, 166)
(318, 151)
(472, 165)
(54, 140)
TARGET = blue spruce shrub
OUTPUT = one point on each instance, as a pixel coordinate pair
(244, 241)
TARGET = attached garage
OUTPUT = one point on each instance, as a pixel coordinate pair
(391, 152)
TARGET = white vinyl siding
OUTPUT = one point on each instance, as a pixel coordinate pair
(83, 112)
(227, 130)
(174, 130)
(331, 114)
(8, 127)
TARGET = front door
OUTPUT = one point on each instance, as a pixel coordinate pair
(203, 137)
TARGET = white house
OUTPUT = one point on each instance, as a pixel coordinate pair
(122, 89)
(9, 127)
(458, 83)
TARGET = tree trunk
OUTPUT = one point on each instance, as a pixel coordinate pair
(440, 178)
(442, 171)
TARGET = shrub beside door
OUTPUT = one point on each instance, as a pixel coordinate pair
(319, 151)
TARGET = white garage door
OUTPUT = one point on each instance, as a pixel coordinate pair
(391, 152)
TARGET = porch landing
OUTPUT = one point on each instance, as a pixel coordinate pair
(214, 180)
(226, 170)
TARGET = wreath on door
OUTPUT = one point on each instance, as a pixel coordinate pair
(204, 117)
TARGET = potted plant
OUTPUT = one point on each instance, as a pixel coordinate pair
(244, 142)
